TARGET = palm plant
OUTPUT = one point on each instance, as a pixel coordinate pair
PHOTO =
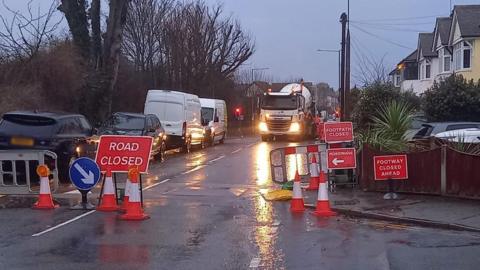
(389, 127)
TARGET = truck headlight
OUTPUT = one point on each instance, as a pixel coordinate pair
(294, 127)
(263, 127)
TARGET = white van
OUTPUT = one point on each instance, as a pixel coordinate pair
(180, 115)
(214, 115)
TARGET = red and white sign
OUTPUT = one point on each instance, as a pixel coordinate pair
(341, 158)
(390, 167)
(120, 153)
(338, 132)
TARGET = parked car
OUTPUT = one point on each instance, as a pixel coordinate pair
(57, 132)
(214, 116)
(431, 129)
(180, 114)
(417, 121)
(468, 135)
(136, 124)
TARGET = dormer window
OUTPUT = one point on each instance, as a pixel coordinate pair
(462, 55)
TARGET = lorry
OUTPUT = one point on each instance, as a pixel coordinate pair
(289, 113)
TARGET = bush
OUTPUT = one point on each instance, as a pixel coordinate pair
(373, 96)
(454, 99)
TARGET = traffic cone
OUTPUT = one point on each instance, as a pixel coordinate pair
(108, 202)
(323, 205)
(134, 206)
(45, 200)
(297, 204)
(126, 194)
(313, 185)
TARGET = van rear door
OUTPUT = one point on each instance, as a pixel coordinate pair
(170, 113)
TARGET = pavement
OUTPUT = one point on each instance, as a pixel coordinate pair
(206, 212)
(425, 210)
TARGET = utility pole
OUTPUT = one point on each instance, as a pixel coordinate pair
(346, 92)
(343, 21)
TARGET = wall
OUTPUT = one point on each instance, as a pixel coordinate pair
(418, 86)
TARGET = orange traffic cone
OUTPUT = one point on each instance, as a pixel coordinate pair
(108, 202)
(126, 194)
(323, 205)
(45, 200)
(313, 185)
(134, 206)
(297, 204)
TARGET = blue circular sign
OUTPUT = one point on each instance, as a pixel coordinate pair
(84, 173)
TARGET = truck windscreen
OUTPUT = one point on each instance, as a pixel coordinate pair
(279, 102)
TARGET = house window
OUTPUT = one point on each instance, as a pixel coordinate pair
(397, 80)
(446, 63)
(427, 70)
(462, 55)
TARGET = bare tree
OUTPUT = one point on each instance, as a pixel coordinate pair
(103, 59)
(201, 48)
(370, 70)
(24, 35)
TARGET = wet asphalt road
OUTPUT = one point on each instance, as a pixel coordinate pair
(206, 213)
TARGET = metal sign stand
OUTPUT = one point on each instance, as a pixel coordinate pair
(84, 204)
(391, 195)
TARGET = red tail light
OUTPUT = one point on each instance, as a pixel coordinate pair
(184, 129)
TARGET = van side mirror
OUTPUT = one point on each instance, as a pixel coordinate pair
(216, 119)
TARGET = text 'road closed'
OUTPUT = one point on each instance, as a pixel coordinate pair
(119, 153)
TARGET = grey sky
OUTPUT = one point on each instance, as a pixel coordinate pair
(288, 32)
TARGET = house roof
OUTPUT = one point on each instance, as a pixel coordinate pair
(442, 30)
(468, 17)
(412, 57)
(425, 41)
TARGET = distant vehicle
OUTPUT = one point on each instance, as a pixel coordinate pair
(468, 135)
(136, 124)
(287, 113)
(214, 116)
(431, 129)
(417, 121)
(180, 114)
(57, 132)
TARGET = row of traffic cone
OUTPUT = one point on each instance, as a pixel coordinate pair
(318, 180)
(132, 204)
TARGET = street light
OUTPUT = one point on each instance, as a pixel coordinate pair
(339, 68)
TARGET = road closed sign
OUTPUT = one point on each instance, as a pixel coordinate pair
(341, 158)
(119, 153)
(390, 167)
(338, 132)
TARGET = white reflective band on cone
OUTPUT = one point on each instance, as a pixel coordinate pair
(134, 195)
(128, 185)
(297, 190)
(323, 192)
(313, 170)
(108, 188)
(44, 185)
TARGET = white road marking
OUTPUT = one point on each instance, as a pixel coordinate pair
(236, 151)
(75, 191)
(194, 169)
(252, 144)
(255, 262)
(64, 223)
(216, 159)
(276, 223)
(156, 184)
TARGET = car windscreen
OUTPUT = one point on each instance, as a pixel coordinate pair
(425, 131)
(207, 114)
(279, 102)
(124, 122)
(27, 125)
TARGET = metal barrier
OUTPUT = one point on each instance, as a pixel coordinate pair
(18, 170)
(285, 161)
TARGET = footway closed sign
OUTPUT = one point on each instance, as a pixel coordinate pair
(390, 167)
(119, 153)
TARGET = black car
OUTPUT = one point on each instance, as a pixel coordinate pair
(57, 132)
(135, 124)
